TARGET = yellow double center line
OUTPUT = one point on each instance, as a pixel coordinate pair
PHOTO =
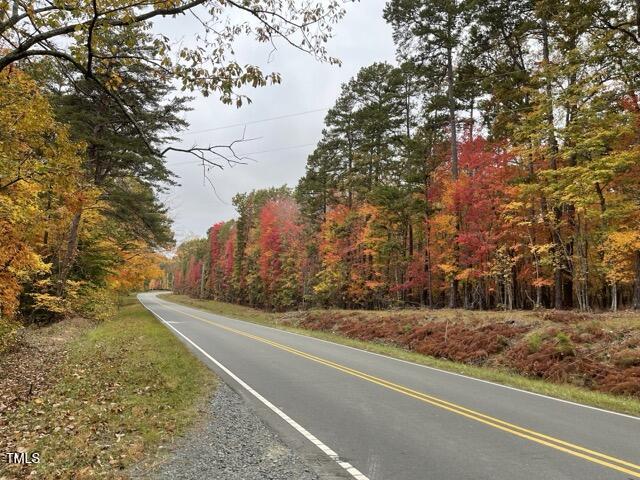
(546, 440)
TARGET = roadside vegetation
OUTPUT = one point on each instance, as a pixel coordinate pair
(89, 110)
(119, 390)
(586, 358)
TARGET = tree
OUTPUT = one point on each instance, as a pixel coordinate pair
(136, 272)
(429, 33)
(279, 258)
(38, 181)
(533, 203)
(80, 36)
(119, 163)
(619, 252)
(187, 267)
(246, 284)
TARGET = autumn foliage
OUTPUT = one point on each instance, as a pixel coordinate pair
(60, 249)
(495, 166)
(484, 232)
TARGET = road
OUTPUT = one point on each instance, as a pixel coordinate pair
(389, 419)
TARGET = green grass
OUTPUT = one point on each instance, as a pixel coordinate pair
(127, 386)
(623, 404)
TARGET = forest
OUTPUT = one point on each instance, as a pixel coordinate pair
(94, 101)
(496, 166)
(81, 221)
(93, 97)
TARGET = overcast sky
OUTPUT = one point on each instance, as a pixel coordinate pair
(360, 39)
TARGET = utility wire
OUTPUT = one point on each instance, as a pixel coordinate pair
(292, 147)
(280, 149)
(252, 122)
(426, 124)
(467, 81)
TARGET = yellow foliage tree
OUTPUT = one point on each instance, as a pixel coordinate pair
(39, 167)
(138, 269)
(618, 259)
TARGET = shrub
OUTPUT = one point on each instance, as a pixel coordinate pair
(95, 303)
(629, 357)
(534, 342)
(564, 345)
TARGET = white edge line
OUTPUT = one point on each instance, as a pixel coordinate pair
(350, 469)
(604, 410)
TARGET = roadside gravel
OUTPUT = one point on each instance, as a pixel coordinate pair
(231, 443)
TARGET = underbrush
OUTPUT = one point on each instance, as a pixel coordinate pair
(8, 334)
(597, 351)
(125, 387)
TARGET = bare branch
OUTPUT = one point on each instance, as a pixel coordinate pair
(271, 28)
(14, 19)
(215, 155)
(620, 27)
(11, 182)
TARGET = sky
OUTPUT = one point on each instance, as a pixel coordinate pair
(281, 147)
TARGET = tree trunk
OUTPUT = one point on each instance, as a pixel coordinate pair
(508, 295)
(202, 270)
(349, 172)
(558, 285)
(551, 136)
(45, 237)
(427, 295)
(70, 254)
(557, 288)
(453, 294)
(538, 287)
(452, 115)
(410, 234)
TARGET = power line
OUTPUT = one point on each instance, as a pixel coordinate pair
(280, 149)
(292, 147)
(468, 81)
(252, 122)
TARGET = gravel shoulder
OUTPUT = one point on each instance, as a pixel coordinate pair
(230, 442)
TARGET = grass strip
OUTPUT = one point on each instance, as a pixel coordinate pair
(617, 403)
(126, 387)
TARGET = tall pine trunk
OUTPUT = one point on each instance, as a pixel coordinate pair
(453, 291)
(427, 294)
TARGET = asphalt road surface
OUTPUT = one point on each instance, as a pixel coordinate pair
(373, 417)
